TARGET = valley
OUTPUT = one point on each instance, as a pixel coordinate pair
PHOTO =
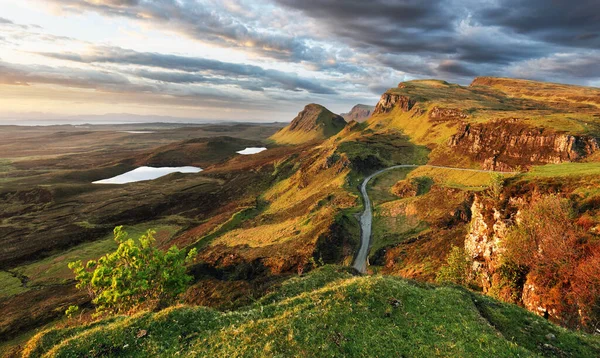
(331, 211)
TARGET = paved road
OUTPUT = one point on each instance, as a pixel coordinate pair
(366, 219)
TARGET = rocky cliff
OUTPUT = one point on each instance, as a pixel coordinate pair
(487, 229)
(508, 144)
(486, 245)
(314, 122)
(358, 113)
(390, 100)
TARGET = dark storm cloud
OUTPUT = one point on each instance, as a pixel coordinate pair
(392, 25)
(456, 39)
(455, 68)
(562, 22)
(263, 77)
(416, 37)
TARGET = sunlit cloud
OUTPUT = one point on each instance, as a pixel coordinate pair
(267, 58)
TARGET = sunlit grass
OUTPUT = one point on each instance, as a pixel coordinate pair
(466, 180)
(328, 313)
(10, 285)
(564, 169)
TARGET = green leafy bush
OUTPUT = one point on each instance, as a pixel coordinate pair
(136, 275)
(457, 268)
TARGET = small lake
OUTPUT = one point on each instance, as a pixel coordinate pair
(251, 150)
(146, 173)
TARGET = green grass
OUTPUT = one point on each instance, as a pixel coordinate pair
(54, 269)
(383, 150)
(5, 165)
(233, 223)
(564, 169)
(380, 186)
(391, 230)
(10, 285)
(329, 313)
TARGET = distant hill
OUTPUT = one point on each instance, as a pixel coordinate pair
(358, 113)
(314, 122)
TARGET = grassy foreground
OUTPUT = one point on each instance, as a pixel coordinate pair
(328, 312)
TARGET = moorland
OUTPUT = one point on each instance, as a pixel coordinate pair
(498, 214)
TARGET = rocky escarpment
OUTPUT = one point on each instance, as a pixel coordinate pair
(390, 100)
(358, 113)
(508, 144)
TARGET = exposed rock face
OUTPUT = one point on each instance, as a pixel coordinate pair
(506, 144)
(482, 243)
(488, 229)
(358, 113)
(440, 114)
(313, 116)
(389, 101)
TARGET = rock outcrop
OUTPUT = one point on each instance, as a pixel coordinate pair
(444, 114)
(358, 113)
(314, 122)
(488, 227)
(390, 100)
(508, 144)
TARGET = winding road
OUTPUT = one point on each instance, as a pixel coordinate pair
(366, 218)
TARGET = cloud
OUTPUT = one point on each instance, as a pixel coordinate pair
(562, 22)
(390, 25)
(210, 21)
(345, 50)
(563, 67)
(455, 68)
(104, 81)
(201, 66)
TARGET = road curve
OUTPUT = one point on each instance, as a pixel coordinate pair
(366, 218)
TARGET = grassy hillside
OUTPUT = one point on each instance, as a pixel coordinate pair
(328, 312)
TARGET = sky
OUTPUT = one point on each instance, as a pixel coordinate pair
(263, 60)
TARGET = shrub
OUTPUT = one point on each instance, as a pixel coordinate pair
(136, 274)
(562, 263)
(457, 268)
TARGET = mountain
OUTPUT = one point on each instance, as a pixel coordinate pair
(358, 113)
(314, 122)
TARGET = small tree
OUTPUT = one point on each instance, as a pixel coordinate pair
(137, 274)
(496, 185)
(457, 268)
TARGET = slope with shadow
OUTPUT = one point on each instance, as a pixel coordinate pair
(313, 123)
(328, 313)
